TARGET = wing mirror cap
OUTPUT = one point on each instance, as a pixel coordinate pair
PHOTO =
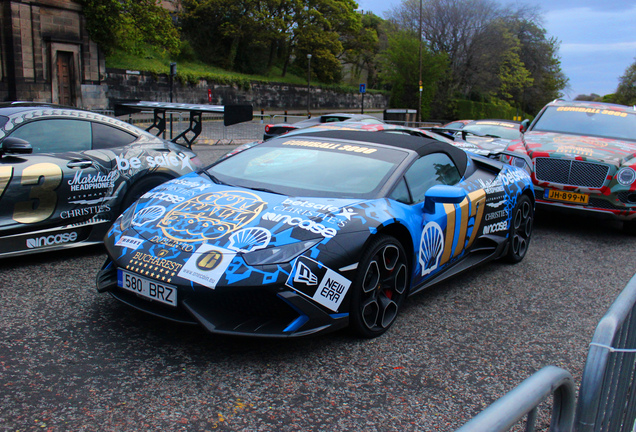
(524, 125)
(13, 145)
(443, 194)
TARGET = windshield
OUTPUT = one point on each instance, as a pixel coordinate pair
(504, 130)
(311, 167)
(605, 123)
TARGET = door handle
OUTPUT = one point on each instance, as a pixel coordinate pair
(80, 164)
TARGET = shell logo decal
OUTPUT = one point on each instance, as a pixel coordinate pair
(148, 214)
(431, 247)
(249, 239)
(211, 216)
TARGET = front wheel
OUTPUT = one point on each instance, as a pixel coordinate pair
(520, 230)
(380, 287)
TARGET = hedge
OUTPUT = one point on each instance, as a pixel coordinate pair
(466, 109)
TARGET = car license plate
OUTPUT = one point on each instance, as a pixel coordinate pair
(571, 197)
(148, 288)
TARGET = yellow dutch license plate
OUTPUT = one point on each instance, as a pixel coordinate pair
(565, 196)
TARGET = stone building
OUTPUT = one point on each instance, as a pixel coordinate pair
(47, 55)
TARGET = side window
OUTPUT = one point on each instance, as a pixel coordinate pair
(401, 193)
(56, 135)
(105, 137)
(430, 170)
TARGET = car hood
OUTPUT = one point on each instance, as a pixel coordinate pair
(193, 210)
(607, 150)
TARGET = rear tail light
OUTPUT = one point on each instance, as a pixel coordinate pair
(267, 127)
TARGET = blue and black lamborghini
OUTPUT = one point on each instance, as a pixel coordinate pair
(311, 233)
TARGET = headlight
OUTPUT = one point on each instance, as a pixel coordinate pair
(626, 176)
(279, 254)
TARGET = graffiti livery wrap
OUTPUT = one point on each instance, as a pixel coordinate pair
(213, 249)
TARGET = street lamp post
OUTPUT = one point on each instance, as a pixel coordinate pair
(173, 73)
(419, 104)
(308, 84)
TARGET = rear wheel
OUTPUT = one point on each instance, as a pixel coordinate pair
(379, 288)
(520, 230)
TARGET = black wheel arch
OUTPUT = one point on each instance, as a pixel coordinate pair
(402, 235)
(141, 185)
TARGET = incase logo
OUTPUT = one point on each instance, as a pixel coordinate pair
(500, 226)
(51, 240)
(305, 224)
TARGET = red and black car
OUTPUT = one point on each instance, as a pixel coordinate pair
(583, 158)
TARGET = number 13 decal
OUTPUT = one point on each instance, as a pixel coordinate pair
(43, 178)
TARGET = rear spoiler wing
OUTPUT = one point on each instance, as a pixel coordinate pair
(232, 114)
(463, 132)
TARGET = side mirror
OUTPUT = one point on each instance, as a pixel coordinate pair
(13, 145)
(524, 125)
(443, 194)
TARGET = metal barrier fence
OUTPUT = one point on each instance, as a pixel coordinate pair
(607, 396)
(214, 132)
(524, 400)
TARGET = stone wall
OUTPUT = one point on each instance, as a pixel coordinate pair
(34, 32)
(138, 85)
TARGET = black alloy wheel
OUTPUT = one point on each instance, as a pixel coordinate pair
(379, 288)
(520, 230)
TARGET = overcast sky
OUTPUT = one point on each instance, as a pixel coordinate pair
(598, 38)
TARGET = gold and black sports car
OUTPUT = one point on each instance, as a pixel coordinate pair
(66, 174)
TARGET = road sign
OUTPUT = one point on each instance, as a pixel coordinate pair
(363, 88)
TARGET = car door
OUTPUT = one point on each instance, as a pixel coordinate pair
(57, 184)
(448, 230)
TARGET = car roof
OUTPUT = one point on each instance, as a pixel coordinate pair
(421, 145)
(9, 108)
(589, 104)
(493, 121)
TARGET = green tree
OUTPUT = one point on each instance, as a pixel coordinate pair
(320, 25)
(539, 55)
(252, 36)
(513, 76)
(361, 50)
(129, 24)
(592, 97)
(494, 53)
(400, 71)
(229, 33)
(626, 90)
